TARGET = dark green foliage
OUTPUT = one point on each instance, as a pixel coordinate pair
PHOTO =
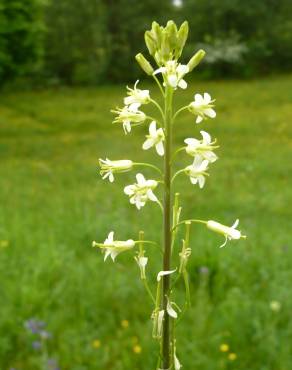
(264, 27)
(92, 41)
(76, 41)
(127, 21)
(21, 30)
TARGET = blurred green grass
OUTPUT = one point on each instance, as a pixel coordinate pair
(53, 204)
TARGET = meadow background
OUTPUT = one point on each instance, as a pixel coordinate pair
(53, 203)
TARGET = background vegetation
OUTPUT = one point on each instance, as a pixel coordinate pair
(92, 41)
(54, 203)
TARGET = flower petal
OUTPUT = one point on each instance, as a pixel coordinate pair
(210, 112)
(163, 273)
(147, 144)
(199, 119)
(206, 137)
(152, 128)
(160, 148)
(183, 84)
(207, 98)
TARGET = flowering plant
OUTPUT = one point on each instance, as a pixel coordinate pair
(165, 45)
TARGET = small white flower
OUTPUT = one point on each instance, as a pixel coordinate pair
(114, 247)
(197, 171)
(142, 262)
(173, 74)
(128, 115)
(155, 138)
(202, 107)
(163, 273)
(142, 191)
(108, 167)
(136, 97)
(202, 148)
(228, 232)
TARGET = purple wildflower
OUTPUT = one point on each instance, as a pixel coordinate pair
(203, 270)
(34, 326)
(53, 364)
(37, 345)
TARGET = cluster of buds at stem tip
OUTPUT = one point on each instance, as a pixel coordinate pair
(229, 232)
(113, 247)
(108, 167)
(166, 43)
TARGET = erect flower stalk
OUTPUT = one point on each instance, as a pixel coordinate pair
(165, 45)
(167, 222)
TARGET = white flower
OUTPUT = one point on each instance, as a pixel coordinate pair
(155, 138)
(127, 115)
(141, 191)
(114, 247)
(228, 232)
(173, 74)
(157, 317)
(136, 97)
(142, 262)
(202, 107)
(108, 167)
(202, 148)
(197, 171)
(163, 273)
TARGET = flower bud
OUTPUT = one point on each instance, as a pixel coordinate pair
(144, 64)
(196, 59)
(172, 34)
(156, 32)
(165, 47)
(150, 42)
(182, 36)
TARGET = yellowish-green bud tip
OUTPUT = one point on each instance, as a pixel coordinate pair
(94, 244)
(144, 64)
(196, 59)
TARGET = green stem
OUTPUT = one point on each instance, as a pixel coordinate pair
(166, 359)
(158, 107)
(179, 111)
(148, 165)
(192, 220)
(159, 85)
(176, 174)
(146, 285)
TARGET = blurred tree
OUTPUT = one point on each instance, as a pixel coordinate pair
(76, 41)
(21, 33)
(263, 26)
(127, 21)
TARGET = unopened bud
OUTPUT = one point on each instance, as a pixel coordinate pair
(165, 47)
(183, 34)
(144, 64)
(172, 34)
(196, 59)
(150, 42)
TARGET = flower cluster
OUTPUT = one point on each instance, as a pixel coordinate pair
(165, 45)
